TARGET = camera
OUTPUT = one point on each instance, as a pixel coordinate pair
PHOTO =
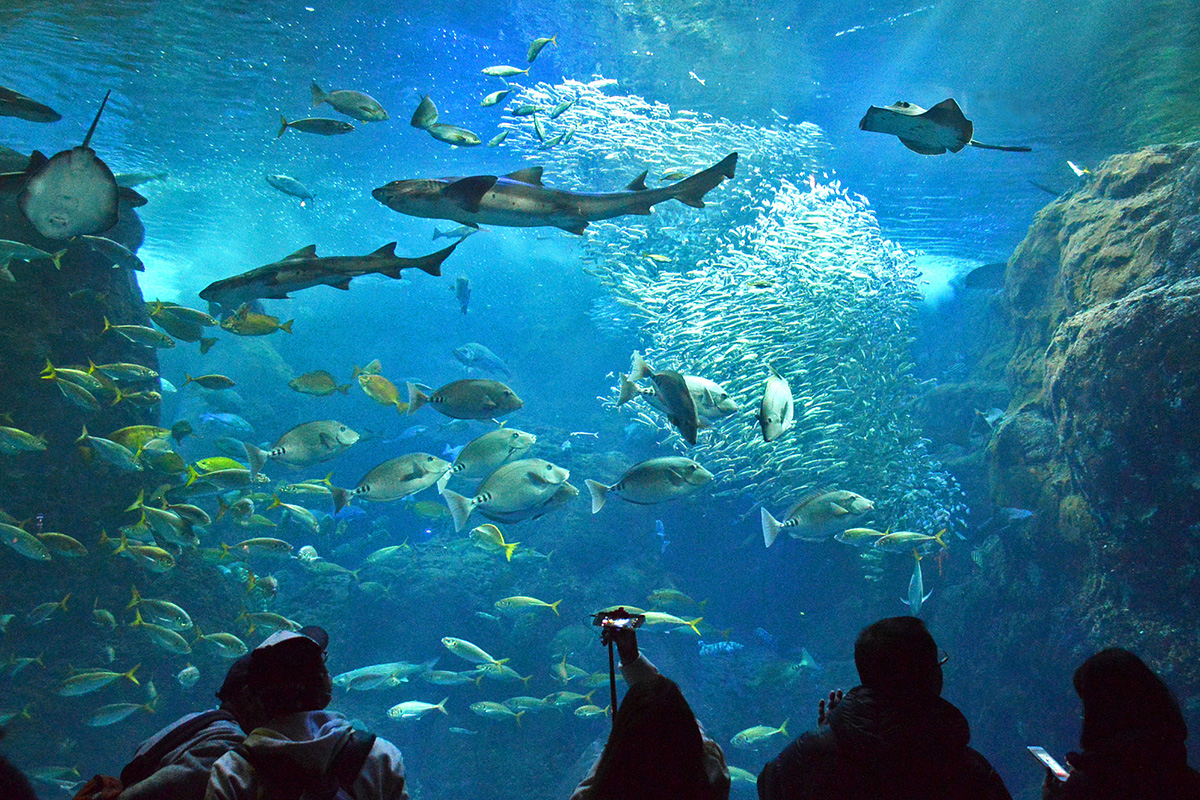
(618, 618)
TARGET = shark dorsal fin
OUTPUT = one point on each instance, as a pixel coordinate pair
(304, 252)
(130, 197)
(530, 175)
(468, 192)
(638, 184)
(387, 251)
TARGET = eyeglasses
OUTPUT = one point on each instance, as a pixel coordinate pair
(943, 657)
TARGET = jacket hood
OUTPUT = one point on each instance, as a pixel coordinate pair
(907, 733)
(308, 739)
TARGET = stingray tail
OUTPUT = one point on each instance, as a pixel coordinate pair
(96, 121)
(1007, 149)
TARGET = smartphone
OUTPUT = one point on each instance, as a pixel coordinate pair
(1041, 755)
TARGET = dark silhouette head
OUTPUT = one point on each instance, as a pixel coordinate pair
(897, 658)
(13, 784)
(655, 751)
(287, 673)
(1121, 694)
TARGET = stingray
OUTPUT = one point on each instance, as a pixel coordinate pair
(929, 133)
(72, 194)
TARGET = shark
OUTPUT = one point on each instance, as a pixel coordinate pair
(72, 194)
(304, 269)
(520, 200)
(928, 132)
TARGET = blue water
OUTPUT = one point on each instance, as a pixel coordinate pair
(198, 91)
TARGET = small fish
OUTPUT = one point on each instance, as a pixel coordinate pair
(453, 134)
(82, 683)
(245, 322)
(467, 399)
(489, 537)
(462, 291)
(460, 232)
(655, 480)
(493, 710)
(23, 542)
(559, 109)
(318, 383)
(111, 714)
(43, 612)
(188, 676)
(521, 603)
(504, 71)
(661, 532)
(495, 98)
(226, 645)
(15, 440)
(214, 382)
(498, 138)
(916, 589)
(776, 414)
(140, 334)
(354, 104)
(468, 651)
(756, 735)
(415, 709)
(290, 186)
(696, 78)
(382, 391)
(317, 125)
(114, 252)
(525, 110)
(719, 647)
(536, 47)
(425, 115)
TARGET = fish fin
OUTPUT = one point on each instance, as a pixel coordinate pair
(837, 509)
(341, 498)
(318, 96)
(343, 284)
(770, 528)
(416, 398)
(577, 227)
(530, 175)
(599, 494)
(1005, 148)
(206, 344)
(468, 192)
(629, 390)
(283, 126)
(638, 368)
(130, 197)
(287, 326)
(344, 388)
(432, 263)
(638, 184)
(257, 459)
(691, 191)
(304, 252)
(675, 478)
(387, 251)
(922, 148)
(460, 508)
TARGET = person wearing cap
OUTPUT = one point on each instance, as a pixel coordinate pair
(894, 736)
(174, 763)
(296, 747)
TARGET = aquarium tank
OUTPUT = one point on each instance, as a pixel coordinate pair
(446, 327)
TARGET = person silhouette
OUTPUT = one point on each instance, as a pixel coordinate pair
(1132, 739)
(894, 736)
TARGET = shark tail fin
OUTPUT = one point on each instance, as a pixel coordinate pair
(691, 191)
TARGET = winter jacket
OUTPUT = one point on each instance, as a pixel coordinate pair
(307, 741)
(714, 758)
(879, 750)
(1134, 765)
(182, 773)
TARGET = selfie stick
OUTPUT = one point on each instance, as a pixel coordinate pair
(612, 681)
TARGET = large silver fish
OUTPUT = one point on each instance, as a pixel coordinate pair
(395, 478)
(304, 269)
(304, 445)
(520, 200)
(655, 480)
(516, 487)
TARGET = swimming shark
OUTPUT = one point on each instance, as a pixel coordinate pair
(304, 268)
(519, 199)
(72, 194)
(930, 133)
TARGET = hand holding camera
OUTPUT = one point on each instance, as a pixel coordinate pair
(619, 628)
